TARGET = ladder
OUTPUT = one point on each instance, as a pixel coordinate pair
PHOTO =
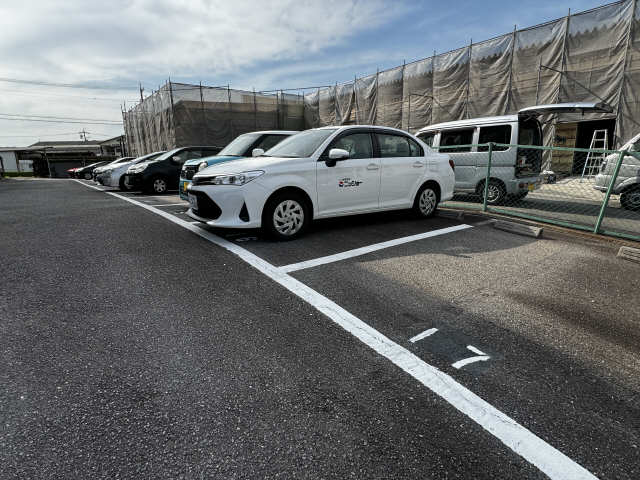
(599, 141)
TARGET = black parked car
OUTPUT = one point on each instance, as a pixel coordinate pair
(87, 172)
(162, 173)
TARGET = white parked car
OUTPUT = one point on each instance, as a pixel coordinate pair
(320, 173)
(114, 175)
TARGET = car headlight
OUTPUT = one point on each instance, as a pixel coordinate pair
(202, 166)
(235, 179)
(138, 169)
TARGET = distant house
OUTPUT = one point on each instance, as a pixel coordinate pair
(55, 158)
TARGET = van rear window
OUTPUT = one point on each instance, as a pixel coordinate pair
(530, 133)
(495, 134)
(451, 139)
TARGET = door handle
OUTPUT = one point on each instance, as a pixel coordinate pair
(418, 164)
(372, 166)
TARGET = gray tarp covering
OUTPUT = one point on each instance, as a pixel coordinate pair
(417, 91)
(389, 101)
(599, 50)
(490, 77)
(182, 114)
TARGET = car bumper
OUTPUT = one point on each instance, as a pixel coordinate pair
(521, 185)
(227, 206)
(134, 181)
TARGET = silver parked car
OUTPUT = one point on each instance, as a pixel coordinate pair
(628, 181)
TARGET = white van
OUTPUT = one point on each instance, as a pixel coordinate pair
(515, 171)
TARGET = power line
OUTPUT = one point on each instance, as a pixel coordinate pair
(33, 94)
(56, 117)
(60, 121)
(65, 85)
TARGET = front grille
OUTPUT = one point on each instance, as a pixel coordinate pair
(189, 171)
(207, 208)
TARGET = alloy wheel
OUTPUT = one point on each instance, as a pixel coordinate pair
(427, 202)
(288, 217)
(159, 185)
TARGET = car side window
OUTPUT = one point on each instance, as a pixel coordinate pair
(269, 141)
(495, 134)
(451, 140)
(428, 138)
(393, 145)
(357, 144)
(194, 154)
(415, 149)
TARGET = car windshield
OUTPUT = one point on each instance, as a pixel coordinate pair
(238, 147)
(164, 156)
(301, 144)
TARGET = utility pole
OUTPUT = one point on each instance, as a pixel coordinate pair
(83, 135)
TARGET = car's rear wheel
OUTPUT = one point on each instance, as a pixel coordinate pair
(286, 216)
(630, 199)
(426, 201)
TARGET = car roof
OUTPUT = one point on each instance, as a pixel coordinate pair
(470, 122)
(371, 127)
(271, 132)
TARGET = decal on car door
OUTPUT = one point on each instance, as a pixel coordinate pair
(347, 182)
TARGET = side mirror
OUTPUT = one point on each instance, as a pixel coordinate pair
(338, 154)
(256, 152)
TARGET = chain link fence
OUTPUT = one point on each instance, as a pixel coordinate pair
(603, 196)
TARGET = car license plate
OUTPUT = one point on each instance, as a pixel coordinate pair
(184, 186)
(532, 187)
(193, 201)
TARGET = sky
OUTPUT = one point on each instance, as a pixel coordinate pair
(97, 53)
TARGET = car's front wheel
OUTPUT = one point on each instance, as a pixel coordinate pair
(630, 199)
(286, 216)
(88, 176)
(159, 185)
(122, 184)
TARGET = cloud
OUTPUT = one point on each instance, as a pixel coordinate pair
(76, 41)
(122, 41)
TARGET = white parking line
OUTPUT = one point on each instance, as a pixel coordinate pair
(370, 248)
(184, 204)
(546, 458)
(425, 334)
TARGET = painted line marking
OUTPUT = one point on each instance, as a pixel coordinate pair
(425, 334)
(481, 357)
(371, 248)
(525, 443)
(171, 205)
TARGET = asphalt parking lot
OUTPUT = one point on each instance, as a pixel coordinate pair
(137, 344)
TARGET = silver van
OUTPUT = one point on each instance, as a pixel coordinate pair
(628, 181)
(515, 170)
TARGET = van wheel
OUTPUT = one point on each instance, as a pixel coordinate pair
(426, 201)
(630, 200)
(496, 192)
(286, 216)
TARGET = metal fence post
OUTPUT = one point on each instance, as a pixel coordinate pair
(486, 182)
(605, 202)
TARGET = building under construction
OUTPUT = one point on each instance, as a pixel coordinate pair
(589, 56)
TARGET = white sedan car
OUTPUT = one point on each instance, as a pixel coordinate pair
(114, 176)
(320, 173)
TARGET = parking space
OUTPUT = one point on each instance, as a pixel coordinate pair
(540, 329)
